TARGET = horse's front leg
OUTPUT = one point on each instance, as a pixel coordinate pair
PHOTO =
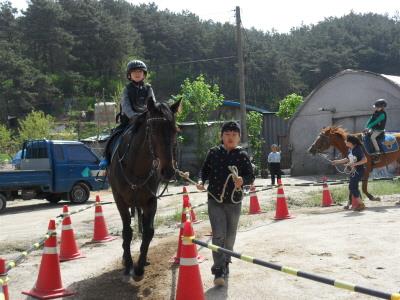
(126, 244)
(147, 236)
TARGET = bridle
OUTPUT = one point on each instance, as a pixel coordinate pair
(141, 182)
(325, 141)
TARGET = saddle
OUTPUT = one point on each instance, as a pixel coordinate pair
(387, 143)
(116, 135)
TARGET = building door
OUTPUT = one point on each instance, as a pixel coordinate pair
(286, 161)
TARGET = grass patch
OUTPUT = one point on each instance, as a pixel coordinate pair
(172, 219)
(4, 157)
(341, 194)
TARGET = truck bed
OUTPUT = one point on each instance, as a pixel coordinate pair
(19, 179)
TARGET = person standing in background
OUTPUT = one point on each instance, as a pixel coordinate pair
(274, 163)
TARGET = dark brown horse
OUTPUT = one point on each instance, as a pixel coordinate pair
(335, 136)
(142, 160)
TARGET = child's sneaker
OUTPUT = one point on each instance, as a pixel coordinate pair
(219, 279)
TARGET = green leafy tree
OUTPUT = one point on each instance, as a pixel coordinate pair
(199, 99)
(47, 42)
(7, 144)
(254, 127)
(36, 125)
(288, 106)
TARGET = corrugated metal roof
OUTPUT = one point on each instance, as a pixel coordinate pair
(248, 107)
(395, 79)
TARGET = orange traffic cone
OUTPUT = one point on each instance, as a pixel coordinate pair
(175, 259)
(184, 217)
(100, 233)
(48, 284)
(68, 248)
(254, 205)
(281, 206)
(186, 203)
(357, 204)
(326, 194)
(3, 280)
(189, 284)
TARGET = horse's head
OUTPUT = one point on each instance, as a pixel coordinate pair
(329, 136)
(161, 123)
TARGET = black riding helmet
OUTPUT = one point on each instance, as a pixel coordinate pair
(380, 103)
(135, 65)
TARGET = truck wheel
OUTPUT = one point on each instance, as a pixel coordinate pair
(53, 198)
(79, 193)
(3, 202)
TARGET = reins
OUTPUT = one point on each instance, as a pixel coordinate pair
(142, 183)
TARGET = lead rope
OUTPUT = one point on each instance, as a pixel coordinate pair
(233, 174)
(347, 169)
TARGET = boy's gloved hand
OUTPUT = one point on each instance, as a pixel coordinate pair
(200, 186)
(238, 182)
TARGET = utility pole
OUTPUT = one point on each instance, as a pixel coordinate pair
(242, 95)
(106, 112)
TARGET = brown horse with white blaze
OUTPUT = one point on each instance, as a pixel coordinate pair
(335, 136)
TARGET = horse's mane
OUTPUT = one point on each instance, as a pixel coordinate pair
(335, 130)
(164, 109)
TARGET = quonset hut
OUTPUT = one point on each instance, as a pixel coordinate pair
(344, 99)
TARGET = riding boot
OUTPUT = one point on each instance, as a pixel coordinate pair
(109, 145)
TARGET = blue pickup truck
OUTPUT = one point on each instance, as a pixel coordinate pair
(52, 170)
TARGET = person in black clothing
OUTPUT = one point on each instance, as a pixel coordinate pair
(377, 122)
(356, 161)
(224, 205)
(133, 103)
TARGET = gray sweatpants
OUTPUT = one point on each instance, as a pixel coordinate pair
(374, 135)
(224, 219)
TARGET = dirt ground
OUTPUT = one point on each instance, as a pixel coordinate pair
(361, 248)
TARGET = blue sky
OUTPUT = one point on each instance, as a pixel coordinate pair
(266, 15)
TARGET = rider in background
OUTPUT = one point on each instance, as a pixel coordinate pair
(356, 161)
(133, 102)
(376, 123)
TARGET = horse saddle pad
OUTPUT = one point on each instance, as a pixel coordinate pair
(387, 143)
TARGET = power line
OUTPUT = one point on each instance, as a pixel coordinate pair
(195, 61)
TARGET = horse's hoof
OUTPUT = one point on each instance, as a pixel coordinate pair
(137, 278)
(375, 199)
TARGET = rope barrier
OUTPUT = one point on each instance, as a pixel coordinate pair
(336, 283)
(19, 259)
(269, 187)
